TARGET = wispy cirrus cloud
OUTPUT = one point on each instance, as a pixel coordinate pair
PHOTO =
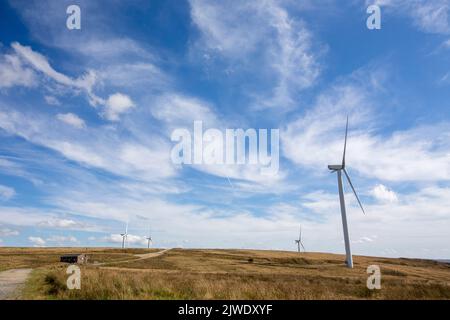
(113, 106)
(93, 147)
(431, 16)
(261, 37)
(62, 223)
(61, 240)
(14, 73)
(46, 21)
(41, 64)
(316, 138)
(6, 192)
(180, 111)
(51, 100)
(6, 232)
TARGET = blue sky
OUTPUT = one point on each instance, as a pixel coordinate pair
(86, 118)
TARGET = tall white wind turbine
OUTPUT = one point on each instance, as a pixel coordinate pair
(339, 169)
(299, 241)
(124, 236)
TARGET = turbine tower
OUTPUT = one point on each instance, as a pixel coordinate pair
(339, 168)
(124, 236)
(299, 241)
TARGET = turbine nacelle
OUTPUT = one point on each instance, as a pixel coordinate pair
(335, 167)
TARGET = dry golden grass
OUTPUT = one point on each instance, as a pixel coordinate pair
(244, 274)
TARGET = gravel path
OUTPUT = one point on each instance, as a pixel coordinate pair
(140, 257)
(11, 281)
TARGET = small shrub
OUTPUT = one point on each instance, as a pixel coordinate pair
(54, 285)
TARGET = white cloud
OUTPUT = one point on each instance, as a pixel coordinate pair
(141, 159)
(41, 64)
(222, 30)
(135, 75)
(61, 224)
(178, 111)
(6, 192)
(95, 147)
(23, 216)
(52, 101)
(429, 16)
(37, 241)
(364, 240)
(71, 119)
(14, 168)
(315, 139)
(14, 73)
(102, 148)
(383, 194)
(262, 37)
(43, 20)
(107, 49)
(116, 105)
(77, 152)
(131, 239)
(5, 232)
(61, 239)
(42, 218)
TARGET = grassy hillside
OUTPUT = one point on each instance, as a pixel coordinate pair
(229, 274)
(11, 258)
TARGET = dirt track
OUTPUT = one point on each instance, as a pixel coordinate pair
(11, 281)
(140, 257)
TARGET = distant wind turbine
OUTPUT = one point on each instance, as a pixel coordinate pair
(149, 239)
(339, 169)
(124, 236)
(299, 241)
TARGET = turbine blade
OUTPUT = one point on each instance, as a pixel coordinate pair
(354, 191)
(300, 236)
(345, 144)
(303, 246)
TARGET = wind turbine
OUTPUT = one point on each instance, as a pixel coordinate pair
(299, 241)
(149, 239)
(339, 168)
(124, 236)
